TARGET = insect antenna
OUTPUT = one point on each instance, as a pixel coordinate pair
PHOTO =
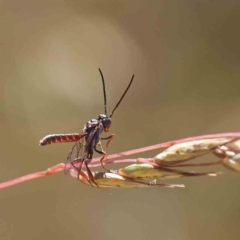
(104, 92)
(122, 96)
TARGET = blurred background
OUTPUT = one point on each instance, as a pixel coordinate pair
(185, 56)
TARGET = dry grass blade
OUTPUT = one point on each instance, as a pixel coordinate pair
(113, 180)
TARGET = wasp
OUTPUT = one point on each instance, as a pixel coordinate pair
(89, 138)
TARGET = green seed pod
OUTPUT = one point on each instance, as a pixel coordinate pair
(150, 172)
(146, 172)
(187, 151)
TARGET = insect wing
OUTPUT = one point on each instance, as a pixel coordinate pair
(75, 155)
(80, 150)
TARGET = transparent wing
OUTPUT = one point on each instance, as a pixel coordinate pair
(80, 149)
(75, 155)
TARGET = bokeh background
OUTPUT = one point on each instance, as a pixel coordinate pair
(185, 56)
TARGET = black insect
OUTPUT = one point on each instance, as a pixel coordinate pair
(88, 139)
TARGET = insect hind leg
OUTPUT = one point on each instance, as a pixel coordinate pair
(78, 169)
(90, 175)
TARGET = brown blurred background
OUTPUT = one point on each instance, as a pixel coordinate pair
(186, 57)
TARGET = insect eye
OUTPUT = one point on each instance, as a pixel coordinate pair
(106, 122)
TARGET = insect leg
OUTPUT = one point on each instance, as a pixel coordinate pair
(87, 158)
(79, 172)
(104, 156)
(78, 168)
(105, 153)
(100, 145)
(90, 175)
(106, 138)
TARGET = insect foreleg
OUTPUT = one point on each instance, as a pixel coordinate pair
(109, 137)
(100, 145)
(105, 153)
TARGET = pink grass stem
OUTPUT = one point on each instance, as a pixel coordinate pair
(52, 170)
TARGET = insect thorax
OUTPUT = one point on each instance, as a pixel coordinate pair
(90, 125)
